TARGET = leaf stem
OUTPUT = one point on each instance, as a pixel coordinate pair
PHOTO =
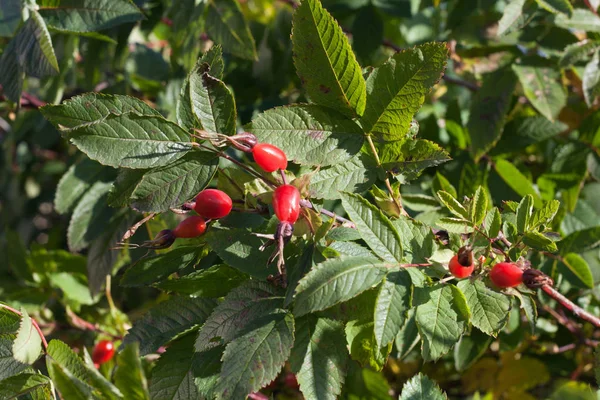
(307, 204)
(33, 322)
(569, 305)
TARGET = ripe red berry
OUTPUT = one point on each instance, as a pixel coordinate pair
(269, 157)
(459, 270)
(506, 274)
(190, 227)
(103, 352)
(286, 203)
(213, 204)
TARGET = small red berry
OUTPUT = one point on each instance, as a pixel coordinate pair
(103, 352)
(190, 227)
(459, 270)
(286, 203)
(213, 204)
(291, 381)
(269, 157)
(506, 274)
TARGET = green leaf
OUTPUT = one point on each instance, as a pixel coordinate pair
(41, 58)
(23, 384)
(89, 217)
(418, 241)
(442, 316)
(254, 359)
(172, 376)
(393, 302)
(512, 17)
(409, 157)
(66, 384)
(488, 110)
(73, 286)
(335, 281)
(539, 241)
(206, 368)
(591, 79)
(91, 108)
(212, 102)
(544, 215)
(529, 307)
(309, 134)
(516, 180)
(367, 34)
(489, 309)
(168, 320)
(243, 305)
(580, 241)
(493, 223)
(132, 141)
(577, 52)
(319, 346)
(440, 182)
(11, 71)
(556, 6)
(478, 207)
(408, 337)
(581, 20)
(227, 26)
(129, 375)
(521, 132)
(453, 205)
(375, 228)
(170, 186)
(240, 249)
(577, 266)
(396, 90)
(470, 348)
(9, 366)
(421, 387)
(75, 182)
(215, 281)
(524, 212)
(325, 62)
(455, 225)
(355, 175)
(542, 88)
(27, 346)
(9, 321)
(88, 15)
(10, 17)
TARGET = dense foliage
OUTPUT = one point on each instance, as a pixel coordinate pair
(406, 201)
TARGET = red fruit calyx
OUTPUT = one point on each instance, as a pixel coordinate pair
(103, 352)
(457, 265)
(506, 274)
(270, 158)
(213, 204)
(190, 227)
(286, 203)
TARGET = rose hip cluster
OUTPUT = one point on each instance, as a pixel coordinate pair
(503, 275)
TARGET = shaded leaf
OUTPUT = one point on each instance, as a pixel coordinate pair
(578, 270)
(409, 157)
(212, 102)
(542, 88)
(172, 376)
(129, 375)
(393, 302)
(421, 387)
(227, 26)
(489, 309)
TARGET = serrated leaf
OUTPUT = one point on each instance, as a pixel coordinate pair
(168, 320)
(408, 337)
(227, 26)
(542, 88)
(11, 72)
(556, 6)
(538, 241)
(577, 52)
(363, 346)
(66, 384)
(27, 346)
(516, 180)
(170, 186)
(524, 211)
(544, 215)
(440, 182)
(513, 14)
(421, 387)
(489, 309)
(580, 241)
(396, 90)
(90, 108)
(206, 368)
(23, 384)
(470, 348)
(591, 79)
(319, 346)
(418, 241)
(215, 281)
(493, 223)
(351, 249)
(9, 366)
(41, 58)
(393, 302)
(335, 281)
(453, 205)
(309, 134)
(455, 225)
(355, 175)
(375, 228)
(442, 316)
(529, 307)
(88, 15)
(521, 132)
(488, 111)
(129, 375)
(582, 19)
(212, 102)
(579, 268)
(89, 217)
(325, 62)
(254, 359)
(409, 157)
(244, 304)
(172, 376)
(75, 182)
(10, 17)
(478, 207)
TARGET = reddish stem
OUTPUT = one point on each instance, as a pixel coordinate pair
(33, 321)
(569, 305)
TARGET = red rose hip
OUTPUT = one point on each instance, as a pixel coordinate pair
(459, 270)
(190, 227)
(270, 158)
(506, 274)
(213, 204)
(286, 203)
(103, 352)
